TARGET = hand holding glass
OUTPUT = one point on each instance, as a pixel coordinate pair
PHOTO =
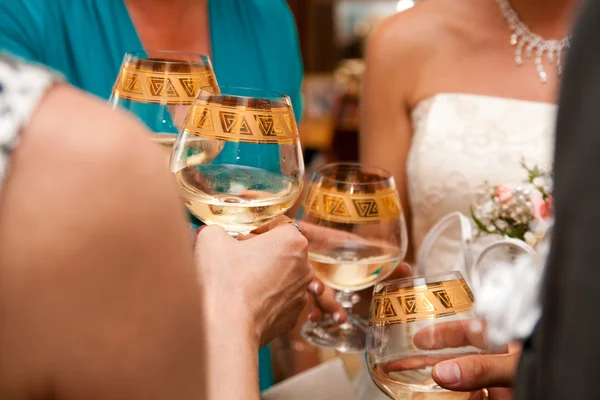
(357, 236)
(416, 323)
(238, 160)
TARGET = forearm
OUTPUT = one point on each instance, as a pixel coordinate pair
(232, 359)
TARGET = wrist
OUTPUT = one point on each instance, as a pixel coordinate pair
(228, 312)
(232, 350)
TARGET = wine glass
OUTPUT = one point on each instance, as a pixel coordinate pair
(414, 324)
(159, 87)
(238, 160)
(353, 220)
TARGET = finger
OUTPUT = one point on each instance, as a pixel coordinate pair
(403, 270)
(476, 372)
(413, 363)
(316, 287)
(500, 394)
(478, 395)
(493, 394)
(322, 235)
(327, 305)
(247, 236)
(315, 314)
(451, 335)
(282, 219)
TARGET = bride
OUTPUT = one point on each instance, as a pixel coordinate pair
(456, 93)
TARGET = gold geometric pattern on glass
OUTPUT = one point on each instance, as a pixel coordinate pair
(242, 124)
(142, 84)
(352, 208)
(419, 303)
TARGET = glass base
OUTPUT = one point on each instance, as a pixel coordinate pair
(349, 337)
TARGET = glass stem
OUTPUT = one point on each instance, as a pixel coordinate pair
(347, 299)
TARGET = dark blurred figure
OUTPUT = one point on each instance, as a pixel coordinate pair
(344, 145)
(559, 361)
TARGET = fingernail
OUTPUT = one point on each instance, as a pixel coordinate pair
(200, 228)
(336, 317)
(448, 372)
(314, 287)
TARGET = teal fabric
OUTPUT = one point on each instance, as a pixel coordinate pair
(254, 44)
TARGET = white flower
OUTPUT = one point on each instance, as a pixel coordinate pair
(508, 298)
(488, 207)
(530, 238)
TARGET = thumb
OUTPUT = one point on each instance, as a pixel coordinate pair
(476, 372)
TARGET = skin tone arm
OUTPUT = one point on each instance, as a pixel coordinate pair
(90, 296)
(93, 305)
(386, 131)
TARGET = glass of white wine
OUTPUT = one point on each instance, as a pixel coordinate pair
(238, 160)
(416, 323)
(357, 236)
(159, 87)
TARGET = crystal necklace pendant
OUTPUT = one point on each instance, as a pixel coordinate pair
(527, 44)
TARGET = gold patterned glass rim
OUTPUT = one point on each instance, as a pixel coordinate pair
(239, 118)
(167, 81)
(344, 207)
(365, 195)
(421, 302)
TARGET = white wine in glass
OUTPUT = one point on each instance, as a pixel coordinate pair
(414, 324)
(355, 266)
(356, 234)
(238, 198)
(238, 160)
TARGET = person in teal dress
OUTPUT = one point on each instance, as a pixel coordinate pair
(252, 43)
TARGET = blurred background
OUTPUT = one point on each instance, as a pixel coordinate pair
(332, 37)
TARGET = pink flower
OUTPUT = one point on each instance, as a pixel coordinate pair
(504, 193)
(541, 211)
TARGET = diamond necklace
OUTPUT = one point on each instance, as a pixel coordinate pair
(523, 38)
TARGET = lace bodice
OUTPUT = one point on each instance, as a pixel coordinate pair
(459, 142)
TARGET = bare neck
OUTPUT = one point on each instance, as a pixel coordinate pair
(172, 24)
(155, 7)
(551, 19)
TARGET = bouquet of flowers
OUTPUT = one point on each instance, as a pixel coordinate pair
(523, 211)
(508, 298)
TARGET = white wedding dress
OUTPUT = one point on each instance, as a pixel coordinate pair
(459, 142)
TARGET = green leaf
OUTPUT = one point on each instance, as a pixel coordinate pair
(480, 225)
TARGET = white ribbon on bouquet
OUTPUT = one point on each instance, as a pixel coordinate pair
(507, 292)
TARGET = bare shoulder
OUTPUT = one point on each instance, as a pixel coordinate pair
(80, 174)
(90, 220)
(417, 33)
